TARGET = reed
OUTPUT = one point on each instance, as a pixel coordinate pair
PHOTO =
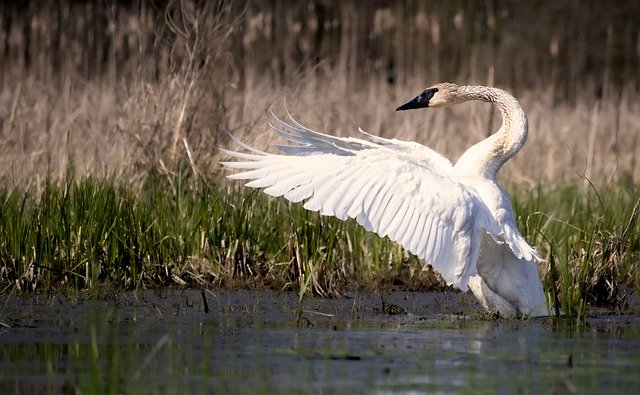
(161, 86)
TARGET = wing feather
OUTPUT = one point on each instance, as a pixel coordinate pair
(398, 232)
(370, 196)
(288, 183)
(391, 213)
(356, 207)
(434, 249)
(333, 200)
(300, 192)
(410, 226)
(380, 205)
(398, 219)
(416, 238)
(398, 189)
(438, 241)
(429, 235)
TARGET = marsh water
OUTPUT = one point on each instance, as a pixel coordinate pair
(191, 341)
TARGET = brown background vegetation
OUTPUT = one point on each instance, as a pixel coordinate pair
(141, 87)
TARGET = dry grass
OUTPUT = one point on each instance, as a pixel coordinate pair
(159, 87)
(45, 135)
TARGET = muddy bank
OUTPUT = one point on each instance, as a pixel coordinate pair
(30, 313)
(26, 317)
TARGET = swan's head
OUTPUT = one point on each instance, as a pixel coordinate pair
(438, 95)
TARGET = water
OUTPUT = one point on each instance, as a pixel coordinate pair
(164, 342)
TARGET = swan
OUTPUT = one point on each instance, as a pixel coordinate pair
(457, 218)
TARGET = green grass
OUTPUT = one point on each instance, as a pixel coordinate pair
(91, 233)
(87, 233)
(590, 240)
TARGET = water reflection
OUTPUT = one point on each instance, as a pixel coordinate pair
(149, 345)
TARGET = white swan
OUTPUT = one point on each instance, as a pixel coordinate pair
(455, 217)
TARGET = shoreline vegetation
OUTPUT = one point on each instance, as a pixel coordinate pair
(93, 234)
(112, 114)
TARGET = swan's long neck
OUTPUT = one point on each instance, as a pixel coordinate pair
(487, 157)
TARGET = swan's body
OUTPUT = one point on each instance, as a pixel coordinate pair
(455, 217)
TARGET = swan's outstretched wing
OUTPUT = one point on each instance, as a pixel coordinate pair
(397, 189)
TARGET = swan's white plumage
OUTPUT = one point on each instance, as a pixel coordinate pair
(388, 186)
(405, 191)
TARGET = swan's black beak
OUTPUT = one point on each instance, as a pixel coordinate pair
(420, 101)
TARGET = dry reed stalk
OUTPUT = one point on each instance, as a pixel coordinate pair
(152, 78)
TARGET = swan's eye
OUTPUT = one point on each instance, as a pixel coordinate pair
(429, 93)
